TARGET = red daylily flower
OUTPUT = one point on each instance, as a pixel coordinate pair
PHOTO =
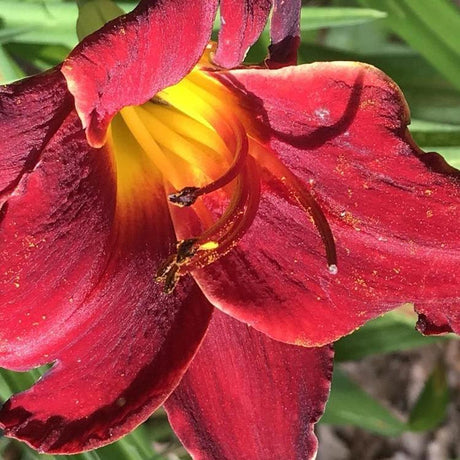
(293, 200)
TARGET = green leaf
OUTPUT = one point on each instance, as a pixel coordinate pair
(319, 17)
(433, 133)
(7, 35)
(431, 406)
(44, 22)
(37, 57)
(350, 405)
(9, 70)
(93, 14)
(429, 27)
(394, 331)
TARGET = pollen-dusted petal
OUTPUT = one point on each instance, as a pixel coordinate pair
(112, 377)
(30, 113)
(341, 128)
(284, 33)
(246, 396)
(242, 22)
(133, 57)
(55, 242)
(80, 243)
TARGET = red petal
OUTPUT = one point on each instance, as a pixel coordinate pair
(77, 284)
(30, 113)
(242, 23)
(285, 33)
(111, 378)
(55, 240)
(246, 396)
(341, 127)
(135, 56)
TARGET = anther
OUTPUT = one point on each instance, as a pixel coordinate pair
(185, 197)
(171, 279)
(169, 270)
(186, 249)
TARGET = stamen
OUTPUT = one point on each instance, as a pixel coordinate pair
(221, 237)
(302, 196)
(200, 157)
(194, 101)
(233, 225)
(190, 128)
(188, 195)
(149, 145)
(169, 270)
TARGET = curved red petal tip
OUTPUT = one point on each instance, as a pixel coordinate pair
(133, 57)
(246, 396)
(112, 378)
(285, 33)
(427, 327)
(241, 24)
(340, 128)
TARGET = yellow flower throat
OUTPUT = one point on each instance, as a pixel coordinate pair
(197, 138)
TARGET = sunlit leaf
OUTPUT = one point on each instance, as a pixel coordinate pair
(319, 17)
(429, 27)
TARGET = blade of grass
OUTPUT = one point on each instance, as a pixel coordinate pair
(44, 22)
(320, 17)
(434, 35)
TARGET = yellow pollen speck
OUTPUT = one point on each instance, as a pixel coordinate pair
(429, 213)
(350, 220)
(368, 102)
(210, 245)
(428, 192)
(397, 270)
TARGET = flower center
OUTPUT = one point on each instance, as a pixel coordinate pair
(203, 147)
